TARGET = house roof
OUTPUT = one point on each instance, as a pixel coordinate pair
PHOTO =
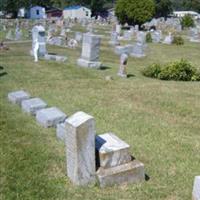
(74, 7)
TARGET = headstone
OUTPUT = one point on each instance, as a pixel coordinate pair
(33, 105)
(80, 148)
(196, 189)
(112, 150)
(138, 51)
(18, 33)
(38, 36)
(114, 39)
(116, 165)
(123, 62)
(49, 117)
(18, 96)
(194, 35)
(127, 35)
(168, 39)
(9, 35)
(90, 51)
(118, 29)
(61, 131)
(156, 36)
(55, 57)
(78, 36)
(124, 49)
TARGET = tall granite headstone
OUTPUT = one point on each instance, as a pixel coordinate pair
(80, 148)
(90, 51)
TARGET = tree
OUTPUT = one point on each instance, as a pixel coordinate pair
(163, 8)
(134, 11)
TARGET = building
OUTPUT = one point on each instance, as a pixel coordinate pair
(76, 12)
(52, 12)
(37, 12)
(180, 14)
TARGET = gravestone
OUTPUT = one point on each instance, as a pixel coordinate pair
(112, 150)
(61, 131)
(194, 35)
(54, 57)
(116, 166)
(127, 35)
(80, 148)
(18, 96)
(123, 49)
(196, 189)
(118, 29)
(9, 35)
(18, 33)
(168, 39)
(38, 34)
(123, 63)
(114, 39)
(90, 51)
(78, 36)
(156, 36)
(138, 50)
(49, 117)
(33, 105)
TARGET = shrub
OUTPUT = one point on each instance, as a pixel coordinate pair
(178, 40)
(148, 37)
(152, 71)
(179, 71)
(187, 21)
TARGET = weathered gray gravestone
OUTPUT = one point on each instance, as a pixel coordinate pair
(33, 105)
(49, 117)
(90, 51)
(80, 148)
(112, 150)
(18, 96)
(116, 164)
(196, 189)
(38, 34)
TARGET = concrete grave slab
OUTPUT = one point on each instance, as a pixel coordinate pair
(18, 96)
(49, 117)
(33, 105)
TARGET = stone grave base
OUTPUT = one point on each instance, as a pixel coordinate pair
(60, 131)
(137, 55)
(132, 172)
(18, 96)
(90, 64)
(123, 49)
(195, 40)
(55, 57)
(114, 43)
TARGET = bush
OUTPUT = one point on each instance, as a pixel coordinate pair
(187, 21)
(148, 38)
(152, 71)
(179, 71)
(178, 40)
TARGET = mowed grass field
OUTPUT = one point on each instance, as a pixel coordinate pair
(159, 119)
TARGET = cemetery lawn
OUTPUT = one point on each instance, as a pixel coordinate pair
(159, 119)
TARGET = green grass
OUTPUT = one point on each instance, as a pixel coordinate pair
(159, 119)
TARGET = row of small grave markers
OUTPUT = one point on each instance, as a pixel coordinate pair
(112, 164)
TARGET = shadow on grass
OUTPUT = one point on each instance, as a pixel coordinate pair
(130, 75)
(3, 74)
(1, 68)
(104, 68)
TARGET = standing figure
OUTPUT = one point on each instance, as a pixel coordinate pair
(123, 62)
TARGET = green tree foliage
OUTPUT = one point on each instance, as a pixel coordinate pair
(134, 11)
(187, 21)
(163, 8)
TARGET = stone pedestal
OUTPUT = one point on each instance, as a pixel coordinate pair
(80, 148)
(196, 189)
(132, 172)
(90, 51)
(116, 166)
(18, 96)
(31, 106)
(49, 117)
